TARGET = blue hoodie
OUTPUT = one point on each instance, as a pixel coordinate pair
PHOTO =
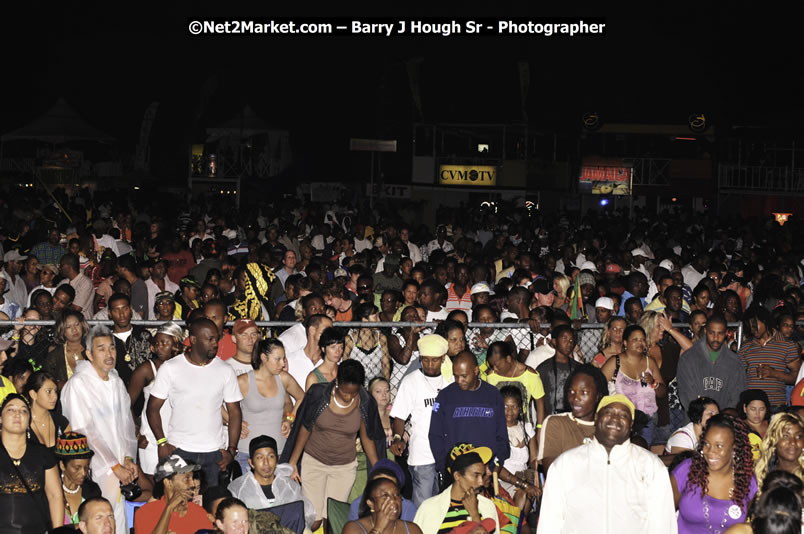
(476, 417)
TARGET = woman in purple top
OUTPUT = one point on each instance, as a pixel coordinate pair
(712, 489)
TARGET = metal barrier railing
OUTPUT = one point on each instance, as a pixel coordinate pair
(588, 334)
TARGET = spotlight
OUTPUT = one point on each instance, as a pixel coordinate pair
(604, 202)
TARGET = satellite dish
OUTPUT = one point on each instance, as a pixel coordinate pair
(698, 122)
(591, 121)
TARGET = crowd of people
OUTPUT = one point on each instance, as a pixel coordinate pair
(507, 373)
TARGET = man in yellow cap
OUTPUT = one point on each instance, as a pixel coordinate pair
(415, 398)
(608, 485)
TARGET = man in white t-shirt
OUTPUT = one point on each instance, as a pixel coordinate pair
(197, 385)
(415, 253)
(301, 362)
(245, 334)
(414, 399)
(295, 337)
(428, 297)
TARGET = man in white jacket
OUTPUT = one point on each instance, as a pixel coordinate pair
(96, 403)
(608, 486)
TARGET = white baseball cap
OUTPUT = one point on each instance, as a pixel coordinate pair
(480, 287)
(605, 302)
(589, 266)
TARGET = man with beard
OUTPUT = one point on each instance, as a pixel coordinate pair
(415, 399)
(711, 369)
(133, 343)
(608, 484)
(197, 385)
(175, 511)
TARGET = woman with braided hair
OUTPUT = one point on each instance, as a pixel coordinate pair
(782, 448)
(712, 489)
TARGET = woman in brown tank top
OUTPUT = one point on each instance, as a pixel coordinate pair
(335, 415)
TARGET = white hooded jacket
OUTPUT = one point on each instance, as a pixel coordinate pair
(625, 492)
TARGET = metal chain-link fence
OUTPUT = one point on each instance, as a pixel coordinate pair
(525, 337)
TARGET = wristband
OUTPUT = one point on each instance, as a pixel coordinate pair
(15, 337)
(116, 466)
(655, 385)
(396, 437)
(538, 425)
(161, 441)
(289, 417)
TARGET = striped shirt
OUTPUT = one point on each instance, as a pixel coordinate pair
(776, 354)
(454, 302)
(456, 514)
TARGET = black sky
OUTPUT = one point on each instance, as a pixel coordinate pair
(739, 63)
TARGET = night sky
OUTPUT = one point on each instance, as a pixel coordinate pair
(738, 63)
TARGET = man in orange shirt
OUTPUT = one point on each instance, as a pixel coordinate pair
(338, 297)
(175, 511)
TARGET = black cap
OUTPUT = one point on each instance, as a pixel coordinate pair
(260, 442)
(541, 285)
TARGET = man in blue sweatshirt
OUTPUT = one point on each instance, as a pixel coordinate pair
(469, 411)
(711, 369)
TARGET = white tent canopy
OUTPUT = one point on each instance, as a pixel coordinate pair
(59, 124)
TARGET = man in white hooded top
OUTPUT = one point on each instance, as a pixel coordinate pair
(96, 403)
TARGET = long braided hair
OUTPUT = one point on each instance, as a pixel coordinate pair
(743, 460)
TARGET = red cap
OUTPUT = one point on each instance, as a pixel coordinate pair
(613, 268)
(241, 325)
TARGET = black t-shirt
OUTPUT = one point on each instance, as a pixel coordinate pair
(269, 493)
(554, 375)
(19, 512)
(60, 422)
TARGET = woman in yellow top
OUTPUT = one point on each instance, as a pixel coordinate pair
(6, 387)
(754, 409)
(506, 371)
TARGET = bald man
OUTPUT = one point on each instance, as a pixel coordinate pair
(468, 411)
(196, 385)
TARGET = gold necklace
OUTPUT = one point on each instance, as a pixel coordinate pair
(372, 525)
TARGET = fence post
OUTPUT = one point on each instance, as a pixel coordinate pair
(739, 335)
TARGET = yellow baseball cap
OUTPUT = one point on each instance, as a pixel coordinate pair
(611, 399)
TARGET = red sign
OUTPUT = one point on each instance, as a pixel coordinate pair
(606, 174)
(606, 180)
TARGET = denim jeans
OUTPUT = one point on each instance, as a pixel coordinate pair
(425, 482)
(242, 459)
(208, 462)
(649, 429)
(662, 433)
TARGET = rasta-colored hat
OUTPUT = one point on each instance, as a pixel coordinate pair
(465, 454)
(73, 446)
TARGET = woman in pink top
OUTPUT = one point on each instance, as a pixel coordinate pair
(636, 375)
